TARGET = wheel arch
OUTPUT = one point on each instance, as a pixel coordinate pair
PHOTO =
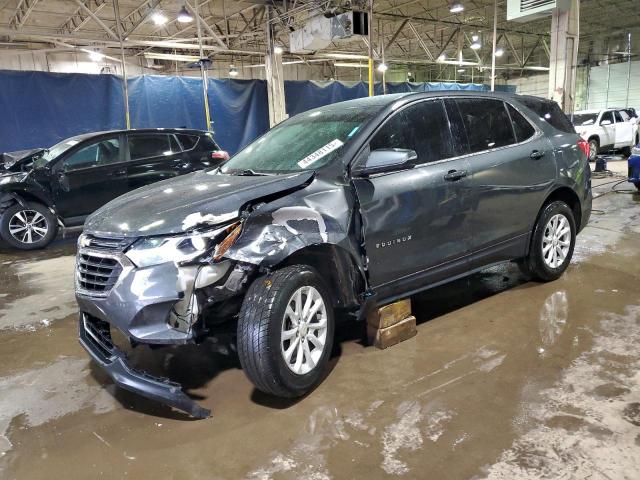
(568, 196)
(9, 198)
(337, 267)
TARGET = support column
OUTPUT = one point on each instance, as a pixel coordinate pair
(275, 78)
(565, 29)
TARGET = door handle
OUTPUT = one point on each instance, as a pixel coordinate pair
(537, 155)
(454, 175)
(114, 173)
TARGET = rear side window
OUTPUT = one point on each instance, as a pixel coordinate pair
(619, 118)
(422, 127)
(487, 123)
(550, 112)
(151, 145)
(607, 116)
(187, 141)
(521, 126)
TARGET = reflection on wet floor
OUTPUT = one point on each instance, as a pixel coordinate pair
(505, 379)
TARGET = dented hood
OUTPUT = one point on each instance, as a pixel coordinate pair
(180, 204)
(13, 160)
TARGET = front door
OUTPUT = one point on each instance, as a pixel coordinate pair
(512, 168)
(608, 139)
(416, 222)
(88, 178)
(154, 157)
(624, 130)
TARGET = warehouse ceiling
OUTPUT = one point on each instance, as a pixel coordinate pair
(409, 32)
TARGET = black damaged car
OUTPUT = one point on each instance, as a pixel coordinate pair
(342, 208)
(42, 189)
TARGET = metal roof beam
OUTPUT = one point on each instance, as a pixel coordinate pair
(80, 17)
(23, 10)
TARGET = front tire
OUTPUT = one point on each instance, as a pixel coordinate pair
(285, 331)
(552, 243)
(28, 227)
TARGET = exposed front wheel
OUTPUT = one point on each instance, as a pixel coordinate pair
(285, 331)
(552, 243)
(28, 227)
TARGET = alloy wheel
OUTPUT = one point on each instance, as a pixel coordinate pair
(304, 330)
(556, 241)
(28, 226)
(593, 150)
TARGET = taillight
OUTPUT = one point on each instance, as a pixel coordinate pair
(584, 146)
(220, 155)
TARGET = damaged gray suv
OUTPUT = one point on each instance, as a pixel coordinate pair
(339, 209)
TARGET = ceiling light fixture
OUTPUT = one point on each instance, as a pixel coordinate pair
(95, 56)
(159, 18)
(476, 46)
(456, 7)
(383, 67)
(171, 56)
(233, 71)
(442, 57)
(278, 50)
(184, 16)
(461, 70)
(499, 52)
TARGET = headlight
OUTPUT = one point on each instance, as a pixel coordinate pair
(156, 250)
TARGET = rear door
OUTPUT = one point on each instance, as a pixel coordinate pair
(513, 168)
(624, 129)
(89, 177)
(416, 222)
(154, 157)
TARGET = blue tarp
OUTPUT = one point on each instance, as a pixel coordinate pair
(38, 109)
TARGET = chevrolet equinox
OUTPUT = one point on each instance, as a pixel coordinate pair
(345, 208)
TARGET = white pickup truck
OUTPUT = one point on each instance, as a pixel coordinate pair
(607, 129)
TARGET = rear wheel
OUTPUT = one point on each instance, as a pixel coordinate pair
(552, 243)
(28, 227)
(626, 152)
(285, 331)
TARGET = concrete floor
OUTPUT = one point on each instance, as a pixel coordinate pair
(505, 379)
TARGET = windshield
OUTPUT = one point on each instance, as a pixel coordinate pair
(305, 142)
(584, 119)
(55, 151)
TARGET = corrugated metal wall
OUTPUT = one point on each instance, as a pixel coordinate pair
(615, 85)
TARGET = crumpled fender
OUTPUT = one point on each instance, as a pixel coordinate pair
(320, 214)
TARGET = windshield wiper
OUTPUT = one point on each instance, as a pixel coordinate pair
(250, 173)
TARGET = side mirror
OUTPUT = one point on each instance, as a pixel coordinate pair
(605, 122)
(388, 160)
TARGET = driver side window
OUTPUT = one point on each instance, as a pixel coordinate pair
(97, 154)
(606, 116)
(422, 127)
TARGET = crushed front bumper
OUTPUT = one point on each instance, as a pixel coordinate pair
(95, 337)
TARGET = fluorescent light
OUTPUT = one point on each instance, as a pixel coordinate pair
(456, 7)
(383, 67)
(159, 18)
(233, 71)
(172, 56)
(461, 70)
(184, 16)
(95, 56)
(347, 56)
(278, 50)
(537, 69)
(499, 52)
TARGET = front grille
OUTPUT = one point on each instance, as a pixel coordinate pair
(106, 243)
(97, 274)
(98, 334)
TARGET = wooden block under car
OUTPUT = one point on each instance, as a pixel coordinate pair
(389, 315)
(387, 337)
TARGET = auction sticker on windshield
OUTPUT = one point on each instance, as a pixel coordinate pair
(321, 152)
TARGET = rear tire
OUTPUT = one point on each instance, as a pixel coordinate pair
(280, 314)
(552, 243)
(594, 148)
(626, 152)
(28, 228)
